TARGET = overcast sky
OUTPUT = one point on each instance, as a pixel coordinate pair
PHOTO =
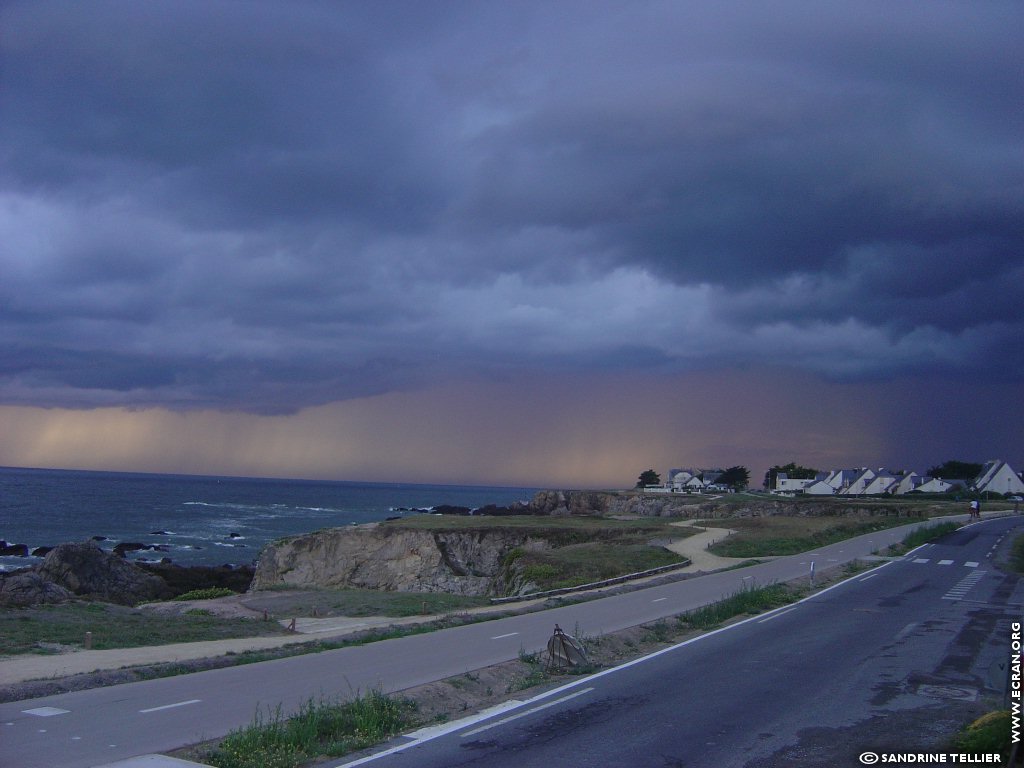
(523, 242)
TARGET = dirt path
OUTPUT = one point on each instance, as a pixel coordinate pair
(696, 548)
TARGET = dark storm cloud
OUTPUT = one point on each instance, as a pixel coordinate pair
(266, 205)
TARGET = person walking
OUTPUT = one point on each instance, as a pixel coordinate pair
(975, 509)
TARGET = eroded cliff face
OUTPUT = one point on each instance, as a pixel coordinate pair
(390, 558)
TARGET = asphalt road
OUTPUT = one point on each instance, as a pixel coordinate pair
(885, 662)
(90, 728)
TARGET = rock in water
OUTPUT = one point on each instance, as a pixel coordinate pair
(86, 570)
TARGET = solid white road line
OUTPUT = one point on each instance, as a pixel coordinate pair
(597, 675)
(170, 706)
(510, 718)
(776, 615)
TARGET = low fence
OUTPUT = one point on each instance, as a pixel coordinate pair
(593, 584)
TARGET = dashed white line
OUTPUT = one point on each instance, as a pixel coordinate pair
(945, 562)
(658, 599)
(869, 576)
(971, 564)
(921, 560)
(45, 711)
(500, 637)
(170, 706)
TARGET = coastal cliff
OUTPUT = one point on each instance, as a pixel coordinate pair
(374, 556)
(487, 559)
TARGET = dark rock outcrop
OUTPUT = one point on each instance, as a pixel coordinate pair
(87, 571)
(22, 589)
(181, 579)
(14, 550)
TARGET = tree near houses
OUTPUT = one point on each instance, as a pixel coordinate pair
(792, 470)
(956, 470)
(648, 477)
(735, 477)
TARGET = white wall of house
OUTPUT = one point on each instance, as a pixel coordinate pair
(999, 477)
(859, 486)
(819, 488)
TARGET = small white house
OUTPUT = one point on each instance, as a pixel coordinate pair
(819, 488)
(786, 484)
(883, 483)
(860, 484)
(840, 479)
(909, 482)
(937, 485)
(998, 477)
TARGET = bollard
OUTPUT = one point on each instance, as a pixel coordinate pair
(88, 641)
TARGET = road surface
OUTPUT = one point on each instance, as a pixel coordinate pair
(90, 728)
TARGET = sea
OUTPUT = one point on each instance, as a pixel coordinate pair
(195, 520)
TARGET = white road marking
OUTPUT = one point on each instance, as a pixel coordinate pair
(510, 634)
(869, 576)
(451, 727)
(45, 711)
(906, 630)
(658, 599)
(921, 560)
(510, 718)
(776, 615)
(963, 586)
(945, 562)
(971, 564)
(170, 706)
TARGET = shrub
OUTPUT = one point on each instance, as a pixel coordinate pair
(988, 734)
(206, 594)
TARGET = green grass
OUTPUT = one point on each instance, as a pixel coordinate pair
(923, 536)
(747, 601)
(208, 593)
(986, 735)
(586, 563)
(1016, 562)
(113, 626)
(782, 535)
(318, 730)
(558, 531)
(284, 604)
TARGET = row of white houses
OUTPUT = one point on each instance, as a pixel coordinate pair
(996, 477)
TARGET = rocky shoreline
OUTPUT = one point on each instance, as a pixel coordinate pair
(84, 570)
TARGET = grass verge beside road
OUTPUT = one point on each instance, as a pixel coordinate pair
(779, 535)
(59, 628)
